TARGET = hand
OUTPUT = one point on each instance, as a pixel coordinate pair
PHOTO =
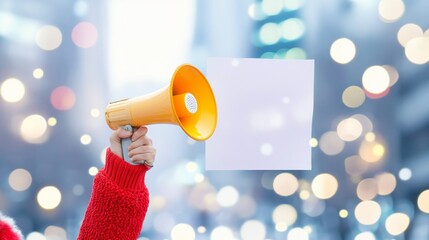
(140, 150)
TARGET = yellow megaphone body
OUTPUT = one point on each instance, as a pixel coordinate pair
(188, 101)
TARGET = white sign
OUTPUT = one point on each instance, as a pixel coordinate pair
(265, 111)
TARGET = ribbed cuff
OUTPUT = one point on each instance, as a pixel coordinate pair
(127, 176)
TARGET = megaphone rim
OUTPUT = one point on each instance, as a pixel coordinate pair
(177, 70)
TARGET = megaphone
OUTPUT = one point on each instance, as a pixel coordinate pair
(188, 101)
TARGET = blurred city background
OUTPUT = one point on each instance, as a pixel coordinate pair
(62, 62)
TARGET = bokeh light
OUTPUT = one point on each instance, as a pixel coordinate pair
(285, 184)
(270, 33)
(49, 197)
(85, 139)
(417, 50)
(375, 79)
(343, 213)
(227, 196)
(313, 142)
(292, 5)
(367, 189)
(349, 129)
(386, 183)
(330, 143)
(52, 121)
(343, 50)
(292, 29)
(296, 53)
(365, 236)
(84, 35)
(34, 128)
(355, 166)
(222, 232)
(266, 149)
(372, 151)
(297, 234)
(405, 174)
(423, 201)
(407, 32)
(55, 233)
(182, 231)
(253, 230)
(20, 179)
(353, 96)
(49, 37)
(38, 73)
(63, 98)
(391, 10)
(35, 236)
(284, 214)
(397, 223)
(93, 171)
(393, 74)
(367, 212)
(272, 7)
(324, 186)
(12, 90)
(95, 112)
(255, 11)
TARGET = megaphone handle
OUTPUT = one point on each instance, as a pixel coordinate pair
(125, 142)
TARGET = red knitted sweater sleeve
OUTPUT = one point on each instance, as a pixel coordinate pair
(118, 203)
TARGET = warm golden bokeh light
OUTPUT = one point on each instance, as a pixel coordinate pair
(367, 212)
(49, 197)
(285, 184)
(391, 10)
(353, 96)
(349, 129)
(52, 121)
(20, 179)
(12, 90)
(355, 166)
(324, 186)
(85, 139)
(375, 79)
(343, 50)
(423, 201)
(38, 73)
(330, 143)
(372, 151)
(343, 213)
(397, 223)
(386, 183)
(313, 142)
(367, 189)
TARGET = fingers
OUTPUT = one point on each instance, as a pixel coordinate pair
(143, 154)
(141, 150)
(141, 131)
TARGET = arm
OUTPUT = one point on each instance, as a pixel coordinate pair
(119, 199)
